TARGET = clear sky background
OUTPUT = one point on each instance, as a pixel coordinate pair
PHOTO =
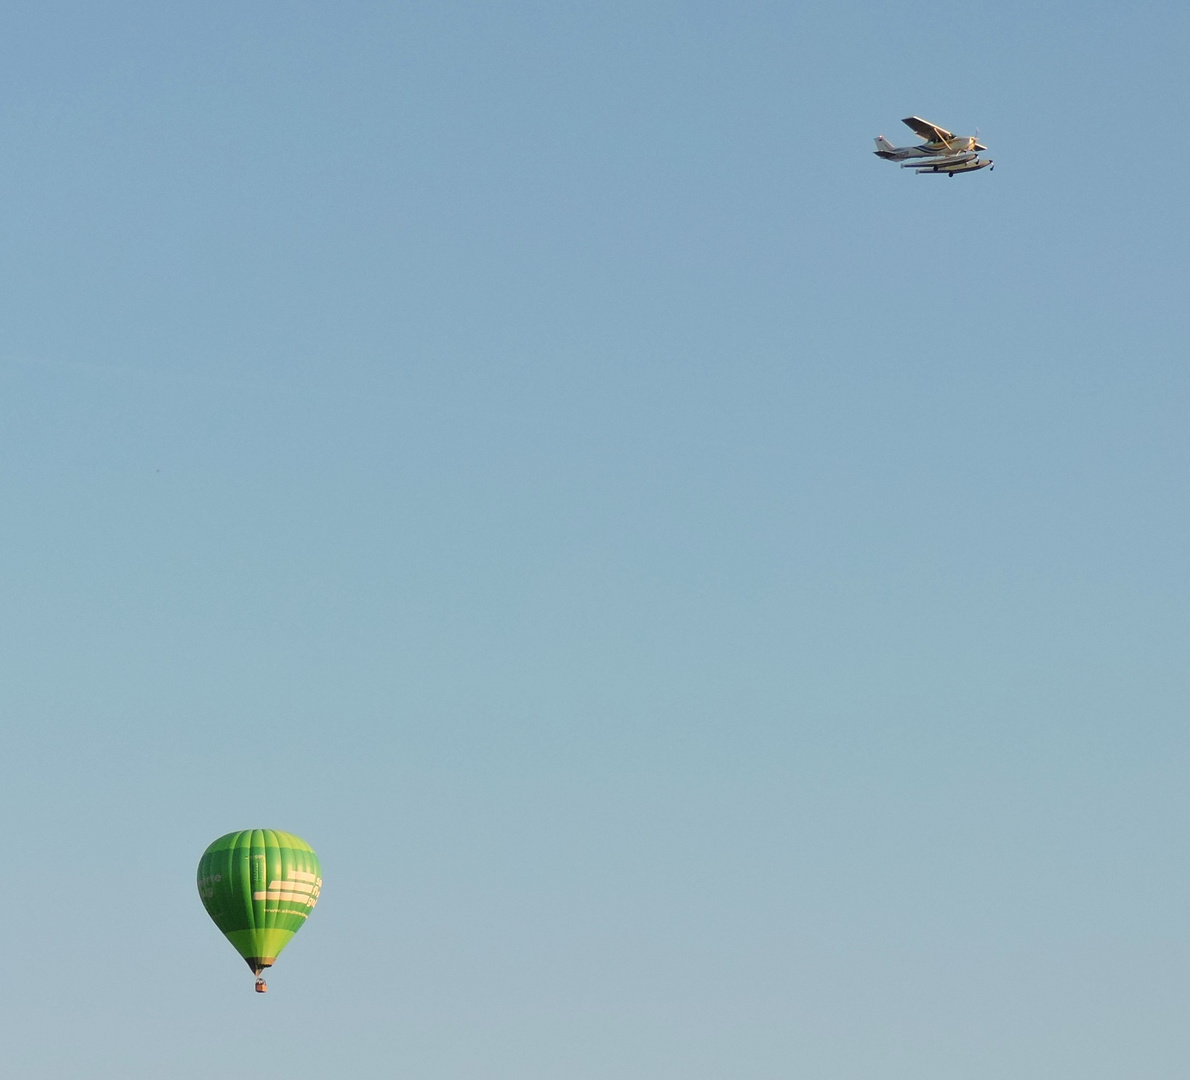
(716, 602)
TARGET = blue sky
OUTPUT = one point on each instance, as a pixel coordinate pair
(715, 602)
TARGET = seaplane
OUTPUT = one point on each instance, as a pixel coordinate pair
(942, 152)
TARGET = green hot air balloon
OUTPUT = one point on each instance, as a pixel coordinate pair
(259, 886)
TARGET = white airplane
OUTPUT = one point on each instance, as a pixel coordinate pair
(942, 152)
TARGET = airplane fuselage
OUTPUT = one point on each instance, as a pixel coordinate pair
(960, 144)
(949, 160)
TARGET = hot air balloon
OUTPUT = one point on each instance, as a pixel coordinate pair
(259, 886)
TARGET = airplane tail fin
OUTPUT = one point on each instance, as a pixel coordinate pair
(883, 146)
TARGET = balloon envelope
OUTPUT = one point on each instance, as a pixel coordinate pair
(259, 886)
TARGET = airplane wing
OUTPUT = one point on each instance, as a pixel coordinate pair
(929, 132)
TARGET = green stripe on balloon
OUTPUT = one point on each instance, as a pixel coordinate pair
(259, 886)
